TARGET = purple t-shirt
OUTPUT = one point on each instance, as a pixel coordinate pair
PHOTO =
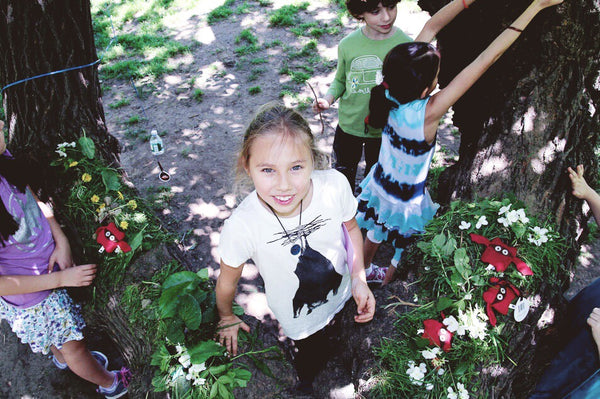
(28, 251)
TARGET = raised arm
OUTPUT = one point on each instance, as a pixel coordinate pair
(445, 98)
(441, 18)
(62, 251)
(229, 323)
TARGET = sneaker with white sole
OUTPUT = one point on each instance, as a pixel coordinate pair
(377, 274)
(99, 356)
(119, 386)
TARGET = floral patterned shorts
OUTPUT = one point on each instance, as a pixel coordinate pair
(53, 321)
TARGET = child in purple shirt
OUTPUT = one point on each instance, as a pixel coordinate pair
(35, 262)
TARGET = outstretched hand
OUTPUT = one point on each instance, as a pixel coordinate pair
(365, 301)
(227, 332)
(580, 186)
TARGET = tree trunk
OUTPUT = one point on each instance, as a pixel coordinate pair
(40, 37)
(533, 114)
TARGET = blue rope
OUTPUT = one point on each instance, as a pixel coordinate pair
(66, 69)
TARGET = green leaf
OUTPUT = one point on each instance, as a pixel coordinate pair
(214, 390)
(262, 366)
(461, 261)
(215, 370)
(245, 375)
(449, 247)
(443, 303)
(168, 302)
(204, 351)
(175, 331)
(237, 309)
(519, 229)
(479, 280)
(136, 241)
(457, 279)
(203, 273)
(87, 146)
(225, 379)
(439, 241)
(110, 178)
(161, 358)
(190, 312)
(224, 391)
(179, 278)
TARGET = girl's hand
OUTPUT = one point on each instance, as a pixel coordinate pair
(593, 321)
(365, 301)
(580, 186)
(77, 276)
(320, 105)
(227, 332)
(61, 255)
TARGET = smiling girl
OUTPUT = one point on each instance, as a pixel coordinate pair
(291, 227)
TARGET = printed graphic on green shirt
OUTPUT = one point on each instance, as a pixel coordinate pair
(365, 72)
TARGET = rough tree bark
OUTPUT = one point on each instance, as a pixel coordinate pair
(39, 37)
(533, 114)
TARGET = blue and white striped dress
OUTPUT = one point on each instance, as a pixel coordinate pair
(393, 201)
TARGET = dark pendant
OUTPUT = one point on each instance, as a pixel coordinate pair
(295, 249)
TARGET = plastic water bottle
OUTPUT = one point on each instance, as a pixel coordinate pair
(156, 144)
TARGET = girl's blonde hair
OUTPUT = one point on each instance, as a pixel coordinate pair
(276, 117)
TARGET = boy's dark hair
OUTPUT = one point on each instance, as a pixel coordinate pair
(358, 7)
(408, 69)
(17, 174)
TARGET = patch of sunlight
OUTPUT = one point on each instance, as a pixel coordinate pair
(529, 120)
(229, 200)
(547, 154)
(254, 303)
(115, 51)
(204, 210)
(546, 319)
(342, 392)
(177, 189)
(173, 79)
(494, 164)
(205, 35)
(185, 59)
(155, 52)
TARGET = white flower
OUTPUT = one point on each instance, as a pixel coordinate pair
(464, 225)
(468, 297)
(512, 216)
(184, 359)
(416, 374)
(539, 236)
(452, 394)
(451, 323)
(65, 144)
(429, 386)
(522, 217)
(441, 371)
(504, 209)
(503, 221)
(462, 392)
(61, 153)
(482, 221)
(473, 320)
(430, 353)
(420, 331)
(179, 349)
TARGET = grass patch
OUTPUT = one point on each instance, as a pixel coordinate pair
(287, 15)
(119, 103)
(198, 95)
(220, 13)
(254, 90)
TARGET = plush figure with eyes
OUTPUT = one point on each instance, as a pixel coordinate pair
(437, 334)
(111, 239)
(500, 255)
(499, 297)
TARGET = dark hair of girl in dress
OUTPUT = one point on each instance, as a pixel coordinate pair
(408, 69)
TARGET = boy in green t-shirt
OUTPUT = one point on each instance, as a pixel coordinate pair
(360, 58)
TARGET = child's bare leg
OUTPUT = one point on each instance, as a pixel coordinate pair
(57, 354)
(389, 275)
(369, 250)
(81, 362)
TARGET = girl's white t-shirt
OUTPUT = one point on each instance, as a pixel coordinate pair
(307, 289)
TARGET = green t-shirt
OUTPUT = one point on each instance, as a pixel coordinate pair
(360, 60)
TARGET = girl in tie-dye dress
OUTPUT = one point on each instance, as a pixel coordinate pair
(393, 201)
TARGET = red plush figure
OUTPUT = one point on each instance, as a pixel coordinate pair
(499, 297)
(111, 239)
(437, 334)
(500, 255)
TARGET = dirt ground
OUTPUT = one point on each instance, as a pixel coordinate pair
(201, 139)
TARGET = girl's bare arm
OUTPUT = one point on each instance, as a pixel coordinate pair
(440, 19)
(78, 276)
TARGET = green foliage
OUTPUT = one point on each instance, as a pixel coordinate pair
(287, 15)
(452, 280)
(119, 103)
(198, 95)
(220, 13)
(133, 120)
(254, 90)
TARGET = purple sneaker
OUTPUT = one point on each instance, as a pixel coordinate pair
(377, 274)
